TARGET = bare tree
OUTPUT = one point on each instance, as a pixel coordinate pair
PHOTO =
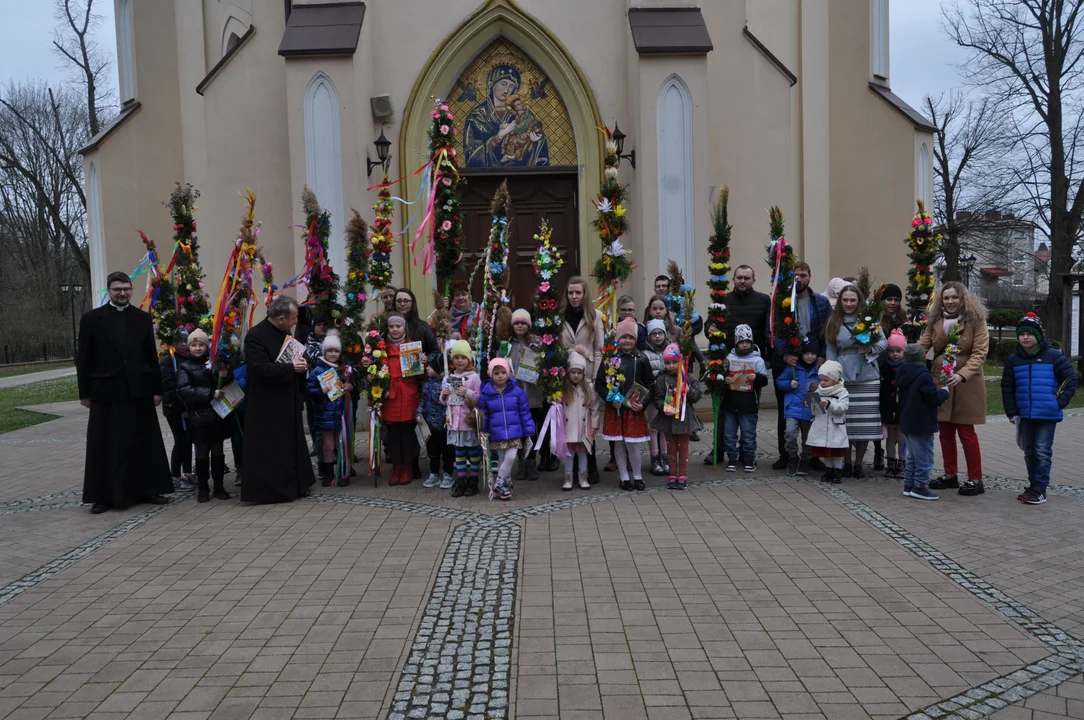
(73, 42)
(970, 173)
(1028, 55)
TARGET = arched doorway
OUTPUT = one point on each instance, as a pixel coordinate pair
(558, 189)
(503, 90)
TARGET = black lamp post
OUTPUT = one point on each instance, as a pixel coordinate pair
(71, 290)
(619, 141)
(968, 265)
(383, 154)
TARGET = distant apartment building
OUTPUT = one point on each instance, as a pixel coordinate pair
(1000, 260)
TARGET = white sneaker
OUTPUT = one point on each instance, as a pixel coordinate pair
(568, 482)
(432, 481)
(447, 482)
(584, 483)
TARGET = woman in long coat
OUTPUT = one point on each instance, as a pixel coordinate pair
(583, 327)
(966, 406)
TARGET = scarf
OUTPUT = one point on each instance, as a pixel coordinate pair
(574, 316)
(833, 391)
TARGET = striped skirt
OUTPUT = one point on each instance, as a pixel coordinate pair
(864, 413)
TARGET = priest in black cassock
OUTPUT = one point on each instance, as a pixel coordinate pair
(119, 380)
(276, 456)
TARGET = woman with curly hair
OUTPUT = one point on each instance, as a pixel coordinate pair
(956, 307)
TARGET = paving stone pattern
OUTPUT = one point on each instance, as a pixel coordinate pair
(747, 596)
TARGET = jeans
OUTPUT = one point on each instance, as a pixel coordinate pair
(1037, 437)
(796, 427)
(916, 472)
(747, 422)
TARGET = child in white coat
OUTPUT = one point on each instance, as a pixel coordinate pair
(582, 417)
(828, 434)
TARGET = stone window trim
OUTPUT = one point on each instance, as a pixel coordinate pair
(225, 59)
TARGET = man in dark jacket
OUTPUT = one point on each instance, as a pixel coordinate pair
(1037, 384)
(812, 311)
(745, 306)
(121, 383)
(276, 459)
(919, 399)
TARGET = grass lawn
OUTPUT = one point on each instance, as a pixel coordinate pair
(12, 370)
(39, 393)
(993, 399)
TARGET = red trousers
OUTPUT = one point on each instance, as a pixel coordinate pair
(969, 440)
(677, 454)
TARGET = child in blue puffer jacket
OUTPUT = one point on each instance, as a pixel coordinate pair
(796, 383)
(507, 420)
(328, 414)
(435, 414)
(1037, 383)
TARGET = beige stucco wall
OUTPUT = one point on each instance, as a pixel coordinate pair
(136, 165)
(837, 158)
(873, 162)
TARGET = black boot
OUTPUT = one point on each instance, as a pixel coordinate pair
(878, 456)
(218, 468)
(203, 473)
(324, 472)
(472, 486)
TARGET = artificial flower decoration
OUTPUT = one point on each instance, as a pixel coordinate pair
(547, 261)
(161, 299)
(496, 276)
(786, 334)
(445, 182)
(194, 308)
(614, 266)
(380, 272)
(718, 285)
(922, 248)
(358, 253)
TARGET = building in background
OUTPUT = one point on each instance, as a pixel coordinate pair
(1001, 261)
(786, 101)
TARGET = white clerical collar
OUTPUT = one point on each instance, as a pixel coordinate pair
(118, 307)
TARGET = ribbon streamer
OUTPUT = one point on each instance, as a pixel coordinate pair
(554, 426)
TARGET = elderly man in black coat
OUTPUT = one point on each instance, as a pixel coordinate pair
(119, 381)
(276, 457)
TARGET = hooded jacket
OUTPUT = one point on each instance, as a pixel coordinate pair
(1030, 383)
(795, 405)
(506, 413)
(919, 399)
(889, 403)
(326, 414)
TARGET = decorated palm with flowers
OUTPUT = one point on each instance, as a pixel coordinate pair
(496, 275)
(444, 177)
(377, 377)
(193, 306)
(614, 266)
(381, 241)
(355, 288)
(923, 244)
(950, 355)
(786, 332)
(867, 327)
(719, 285)
(237, 298)
(682, 310)
(548, 321)
(318, 275)
(162, 303)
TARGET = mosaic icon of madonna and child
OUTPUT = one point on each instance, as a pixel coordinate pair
(501, 131)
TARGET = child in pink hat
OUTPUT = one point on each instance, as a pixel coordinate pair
(624, 384)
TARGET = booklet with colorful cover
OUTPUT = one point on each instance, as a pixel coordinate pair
(638, 393)
(527, 371)
(232, 396)
(454, 398)
(410, 359)
(332, 384)
(743, 376)
(422, 432)
(291, 348)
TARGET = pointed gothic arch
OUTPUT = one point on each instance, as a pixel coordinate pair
(503, 18)
(323, 158)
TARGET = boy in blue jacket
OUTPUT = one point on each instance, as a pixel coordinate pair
(796, 383)
(919, 399)
(1037, 383)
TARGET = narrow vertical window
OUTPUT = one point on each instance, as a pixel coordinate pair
(323, 158)
(924, 176)
(675, 182)
(126, 52)
(879, 38)
(95, 230)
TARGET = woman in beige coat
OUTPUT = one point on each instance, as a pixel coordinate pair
(966, 406)
(583, 327)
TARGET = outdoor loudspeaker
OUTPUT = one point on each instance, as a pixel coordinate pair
(381, 105)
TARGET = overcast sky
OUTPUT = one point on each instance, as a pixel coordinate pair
(923, 58)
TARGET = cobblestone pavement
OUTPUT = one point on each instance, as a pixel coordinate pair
(749, 596)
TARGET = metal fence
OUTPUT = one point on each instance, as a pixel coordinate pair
(19, 353)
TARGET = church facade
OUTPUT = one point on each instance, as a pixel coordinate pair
(788, 102)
